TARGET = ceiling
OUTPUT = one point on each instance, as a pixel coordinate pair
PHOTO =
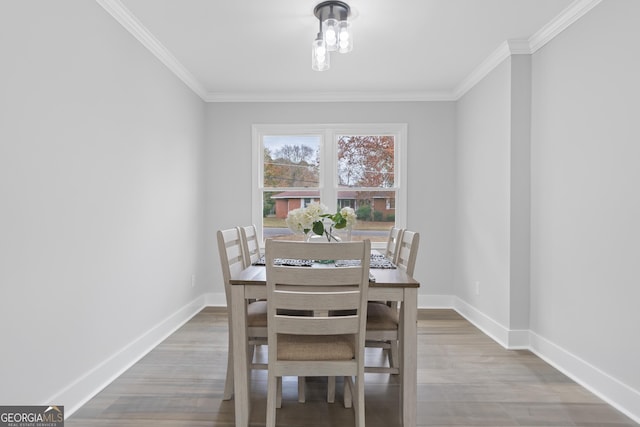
(260, 50)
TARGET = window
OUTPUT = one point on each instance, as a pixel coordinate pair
(361, 166)
(391, 203)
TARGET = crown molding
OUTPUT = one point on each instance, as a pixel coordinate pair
(503, 52)
(353, 96)
(518, 47)
(571, 14)
(124, 16)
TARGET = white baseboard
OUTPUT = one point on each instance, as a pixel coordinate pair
(481, 321)
(91, 383)
(611, 390)
(215, 299)
(435, 301)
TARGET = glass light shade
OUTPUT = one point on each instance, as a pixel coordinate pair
(319, 55)
(345, 37)
(330, 33)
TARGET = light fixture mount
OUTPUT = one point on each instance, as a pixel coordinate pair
(332, 9)
(334, 33)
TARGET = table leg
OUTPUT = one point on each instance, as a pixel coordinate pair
(240, 355)
(409, 356)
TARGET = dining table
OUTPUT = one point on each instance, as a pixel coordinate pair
(385, 284)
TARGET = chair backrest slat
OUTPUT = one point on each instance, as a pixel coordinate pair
(339, 325)
(291, 275)
(250, 244)
(302, 300)
(393, 244)
(231, 258)
(408, 251)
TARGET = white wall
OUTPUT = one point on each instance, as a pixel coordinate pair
(430, 162)
(100, 181)
(483, 195)
(562, 279)
(585, 214)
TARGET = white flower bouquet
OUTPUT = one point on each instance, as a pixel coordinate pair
(314, 218)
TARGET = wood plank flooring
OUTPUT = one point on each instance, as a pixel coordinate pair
(464, 379)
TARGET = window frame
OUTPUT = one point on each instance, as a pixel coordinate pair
(328, 185)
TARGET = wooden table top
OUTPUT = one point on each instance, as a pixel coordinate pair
(384, 277)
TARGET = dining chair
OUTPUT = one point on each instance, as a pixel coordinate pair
(232, 262)
(250, 244)
(408, 251)
(318, 344)
(391, 251)
(383, 317)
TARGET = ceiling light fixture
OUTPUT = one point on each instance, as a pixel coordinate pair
(335, 33)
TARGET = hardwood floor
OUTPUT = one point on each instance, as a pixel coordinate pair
(464, 379)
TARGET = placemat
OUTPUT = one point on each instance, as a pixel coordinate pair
(377, 261)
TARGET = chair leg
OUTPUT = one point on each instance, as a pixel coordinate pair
(348, 392)
(279, 393)
(301, 389)
(228, 383)
(394, 357)
(359, 401)
(252, 349)
(331, 389)
(272, 391)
